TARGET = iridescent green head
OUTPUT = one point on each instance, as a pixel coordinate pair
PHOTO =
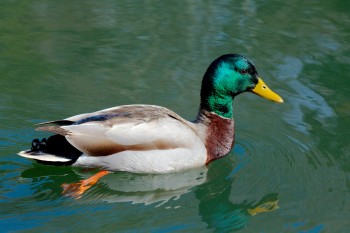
(228, 76)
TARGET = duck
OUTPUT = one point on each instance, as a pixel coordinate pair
(143, 138)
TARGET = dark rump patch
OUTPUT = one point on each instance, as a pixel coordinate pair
(56, 145)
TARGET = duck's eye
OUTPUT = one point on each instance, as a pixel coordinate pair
(243, 71)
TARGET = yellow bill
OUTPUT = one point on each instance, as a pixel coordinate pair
(264, 91)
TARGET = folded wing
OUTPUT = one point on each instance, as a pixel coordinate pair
(130, 127)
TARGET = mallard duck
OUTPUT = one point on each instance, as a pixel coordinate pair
(153, 139)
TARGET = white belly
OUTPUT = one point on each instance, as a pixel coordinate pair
(151, 161)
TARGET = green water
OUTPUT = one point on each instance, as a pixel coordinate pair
(62, 58)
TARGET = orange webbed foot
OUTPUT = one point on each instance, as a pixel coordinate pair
(77, 189)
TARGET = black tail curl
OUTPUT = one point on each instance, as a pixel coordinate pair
(39, 146)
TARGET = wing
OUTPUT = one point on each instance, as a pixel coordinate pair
(130, 127)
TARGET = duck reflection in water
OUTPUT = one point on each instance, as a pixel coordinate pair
(216, 207)
(211, 187)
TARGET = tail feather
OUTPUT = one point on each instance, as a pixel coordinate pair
(56, 150)
(54, 126)
(40, 156)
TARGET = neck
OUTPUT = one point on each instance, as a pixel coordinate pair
(215, 96)
(221, 105)
(218, 134)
